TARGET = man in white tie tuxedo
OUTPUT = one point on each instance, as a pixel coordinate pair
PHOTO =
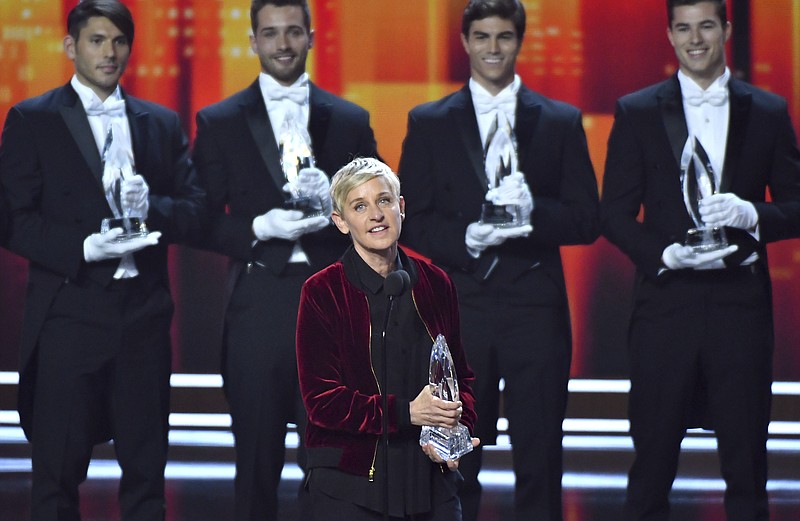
(700, 336)
(272, 249)
(96, 351)
(511, 289)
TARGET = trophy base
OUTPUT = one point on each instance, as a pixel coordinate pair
(449, 444)
(305, 205)
(133, 227)
(502, 216)
(706, 239)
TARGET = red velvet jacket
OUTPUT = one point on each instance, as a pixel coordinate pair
(337, 381)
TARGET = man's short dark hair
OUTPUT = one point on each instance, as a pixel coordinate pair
(722, 9)
(505, 9)
(256, 5)
(114, 10)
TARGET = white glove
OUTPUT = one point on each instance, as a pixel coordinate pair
(135, 193)
(677, 256)
(313, 182)
(286, 224)
(728, 210)
(478, 236)
(102, 246)
(513, 190)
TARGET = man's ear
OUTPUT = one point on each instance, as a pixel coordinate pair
(69, 47)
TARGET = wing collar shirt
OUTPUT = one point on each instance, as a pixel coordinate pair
(707, 116)
(99, 123)
(282, 101)
(488, 107)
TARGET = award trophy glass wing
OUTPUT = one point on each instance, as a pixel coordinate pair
(450, 444)
(501, 161)
(294, 144)
(698, 181)
(118, 166)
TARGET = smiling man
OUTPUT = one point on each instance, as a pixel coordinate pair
(510, 280)
(272, 249)
(700, 336)
(96, 353)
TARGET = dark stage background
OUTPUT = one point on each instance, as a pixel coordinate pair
(389, 56)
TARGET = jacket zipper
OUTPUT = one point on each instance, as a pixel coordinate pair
(416, 308)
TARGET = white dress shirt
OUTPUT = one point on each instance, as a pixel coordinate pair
(99, 125)
(488, 107)
(708, 121)
(278, 110)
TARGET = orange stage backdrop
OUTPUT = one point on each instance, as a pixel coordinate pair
(388, 57)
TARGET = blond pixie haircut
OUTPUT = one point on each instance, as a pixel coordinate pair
(357, 172)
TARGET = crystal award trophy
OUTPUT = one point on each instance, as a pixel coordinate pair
(450, 444)
(501, 161)
(698, 181)
(295, 150)
(117, 166)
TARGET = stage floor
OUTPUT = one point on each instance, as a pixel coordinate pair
(198, 491)
(597, 455)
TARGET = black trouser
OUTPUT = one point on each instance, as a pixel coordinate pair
(712, 332)
(260, 371)
(529, 346)
(103, 365)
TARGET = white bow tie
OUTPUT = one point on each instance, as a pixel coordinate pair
(113, 108)
(506, 102)
(297, 94)
(716, 97)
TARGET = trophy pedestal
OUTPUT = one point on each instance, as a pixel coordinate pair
(706, 239)
(502, 216)
(450, 444)
(306, 205)
(132, 227)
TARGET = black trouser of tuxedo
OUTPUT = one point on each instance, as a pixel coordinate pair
(529, 346)
(261, 385)
(702, 333)
(103, 365)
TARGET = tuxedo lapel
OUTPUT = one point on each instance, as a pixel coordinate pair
(740, 101)
(138, 120)
(78, 124)
(674, 119)
(318, 118)
(527, 118)
(255, 112)
(463, 114)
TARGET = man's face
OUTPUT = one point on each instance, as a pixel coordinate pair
(698, 37)
(492, 45)
(100, 55)
(282, 42)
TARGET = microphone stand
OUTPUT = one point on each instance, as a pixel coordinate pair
(385, 410)
(394, 286)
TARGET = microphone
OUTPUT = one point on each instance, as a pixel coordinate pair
(394, 285)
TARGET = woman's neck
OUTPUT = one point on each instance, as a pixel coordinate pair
(383, 263)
